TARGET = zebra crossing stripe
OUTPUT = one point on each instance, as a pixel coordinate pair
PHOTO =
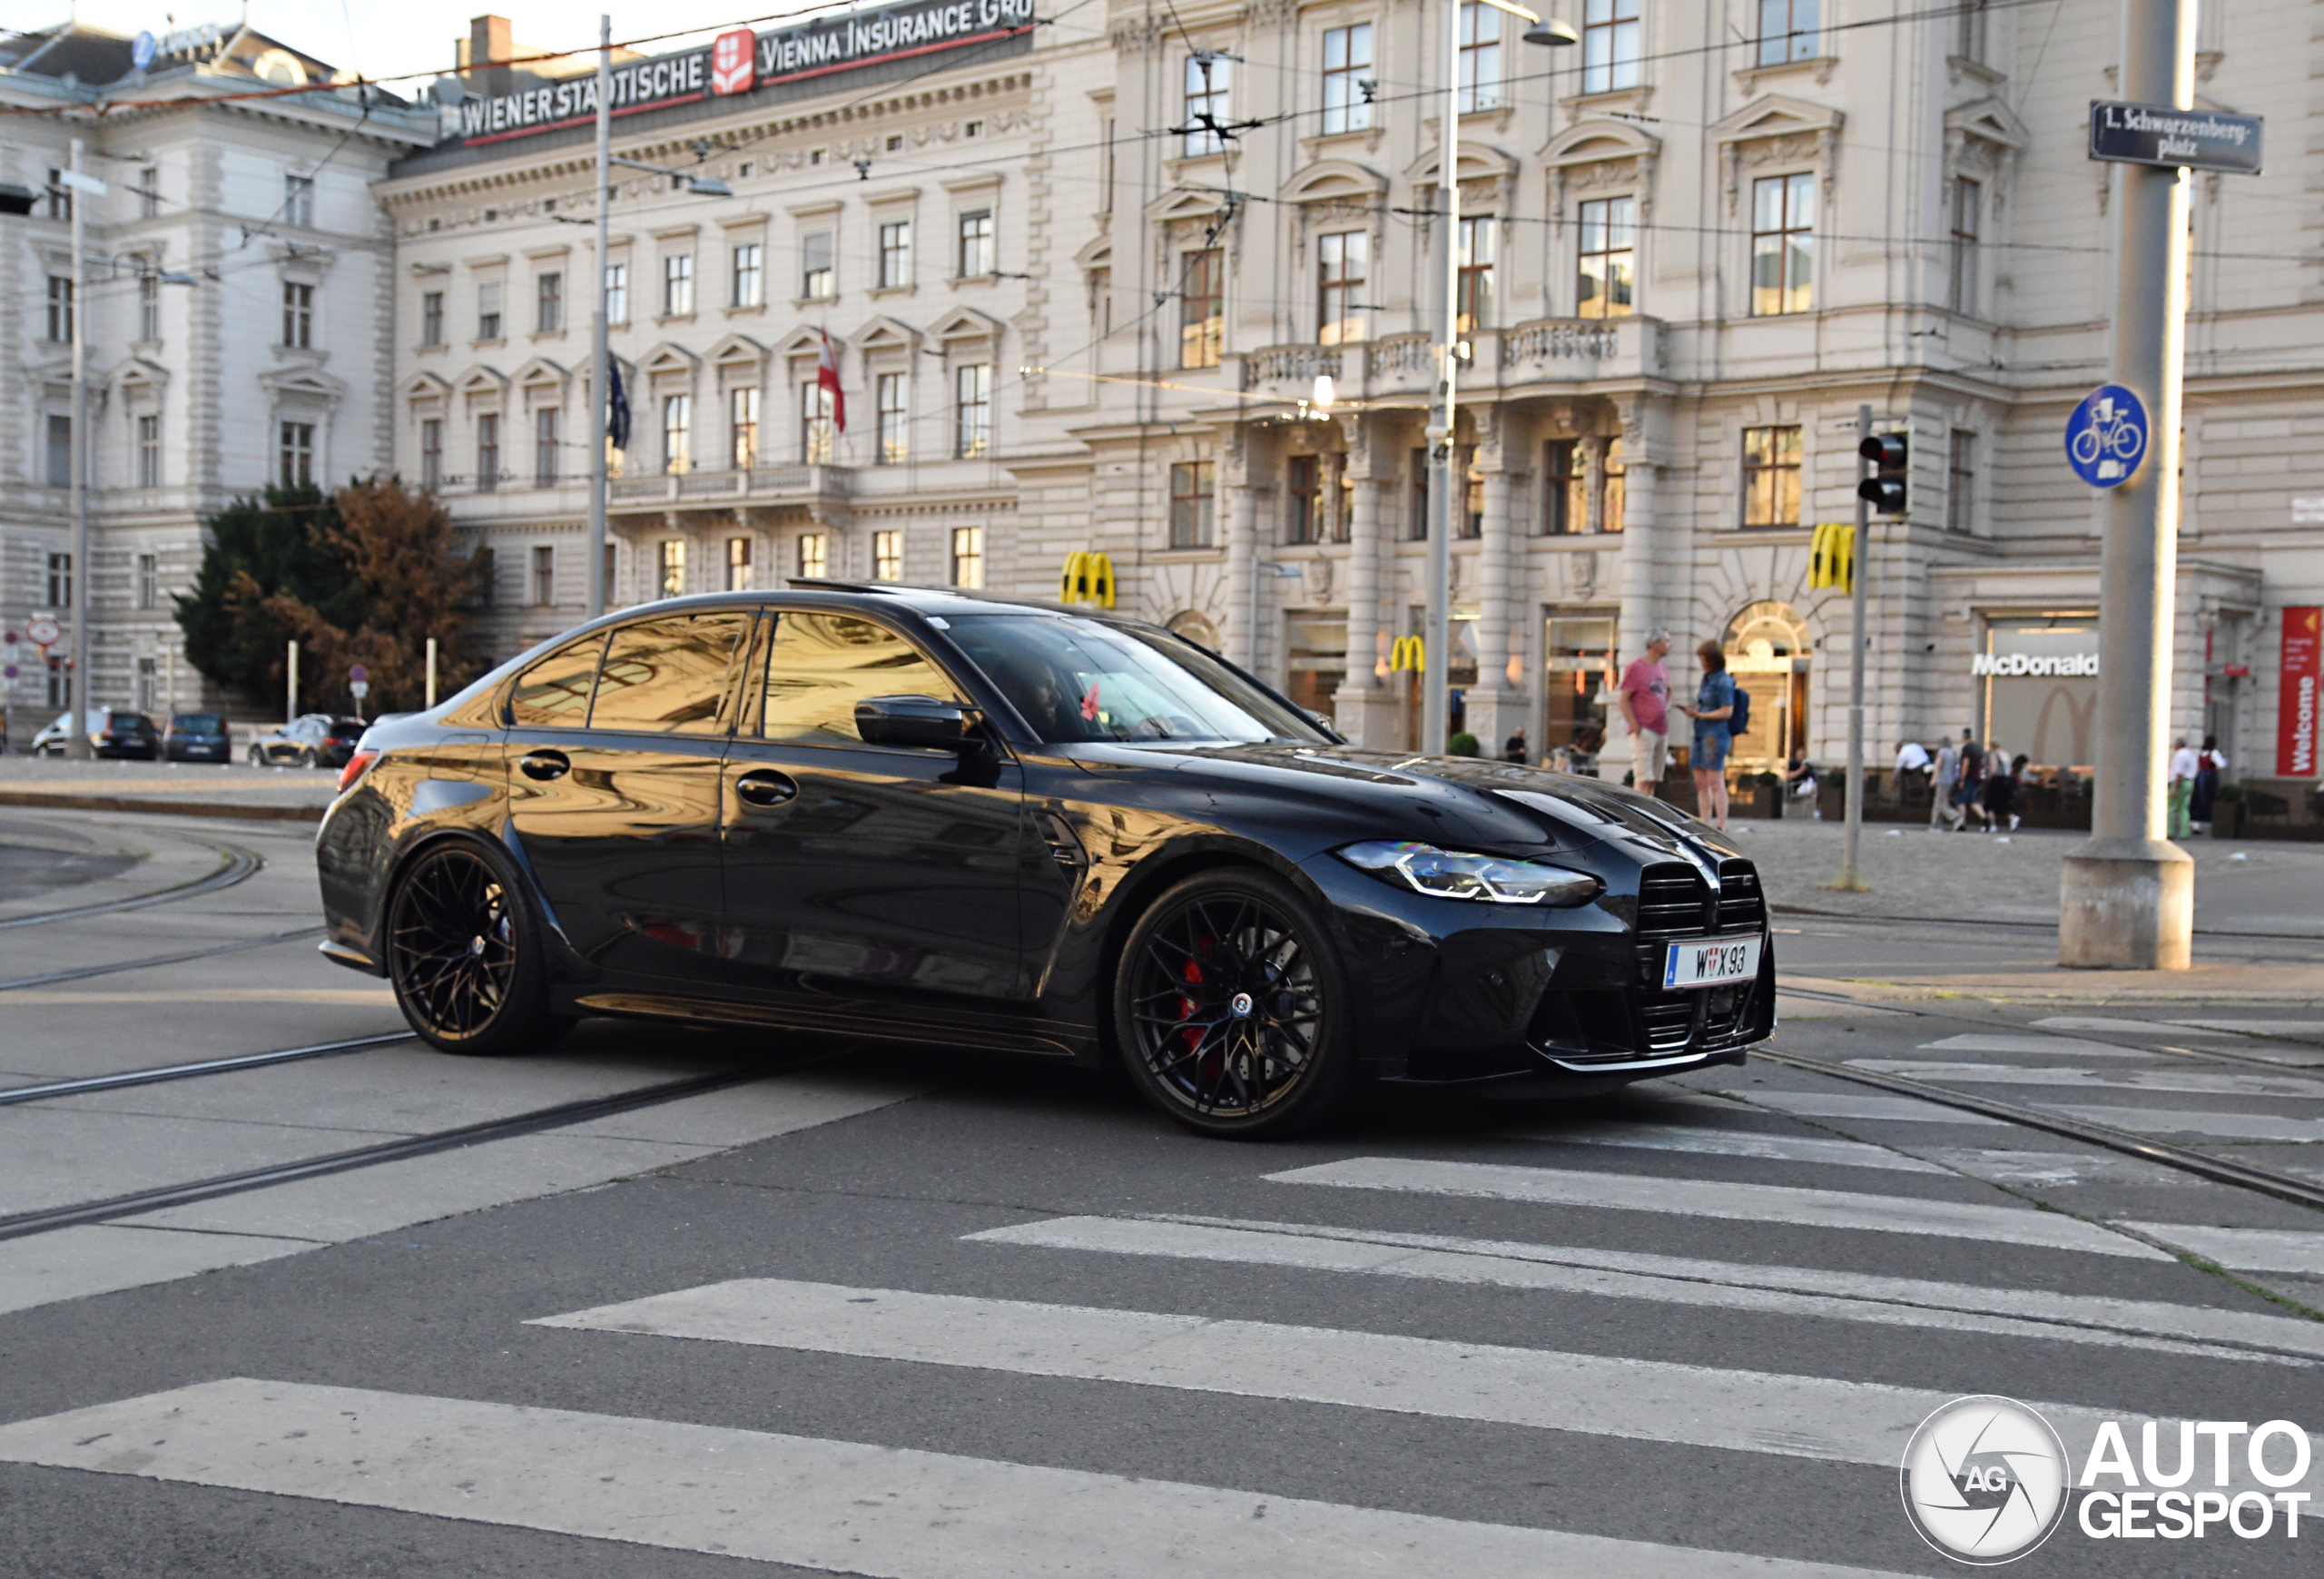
(2245, 1250)
(2195, 1083)
(1717, 1142)
(1785, 1292)
(1885, 1109)
(2040, 1046)
(2181, 1121)
(1759, 1203)
(838, 1506)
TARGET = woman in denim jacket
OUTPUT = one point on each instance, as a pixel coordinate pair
(1714, 706)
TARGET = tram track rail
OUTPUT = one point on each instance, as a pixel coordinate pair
(49, 1091)
(235, 865)
(82, 973)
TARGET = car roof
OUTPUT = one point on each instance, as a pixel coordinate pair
(869, 596)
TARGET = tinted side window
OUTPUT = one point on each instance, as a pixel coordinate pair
(669, 676)
(554, 694)
(820, 665)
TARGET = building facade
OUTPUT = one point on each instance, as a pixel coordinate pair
(235, 285)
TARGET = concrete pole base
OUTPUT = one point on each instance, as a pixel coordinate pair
(2127, 904)
(1371, 717)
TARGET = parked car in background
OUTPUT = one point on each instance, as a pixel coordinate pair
(309, 740)
(197, 737)
(112, 732)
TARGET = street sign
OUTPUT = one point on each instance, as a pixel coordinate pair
(2177, 139)
(357, 674)
(2106, 436)
(43, 631)
(359, 690)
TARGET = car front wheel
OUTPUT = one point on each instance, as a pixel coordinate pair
(1230, 1008)
(463, 953)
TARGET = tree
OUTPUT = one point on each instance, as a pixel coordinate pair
(260, 548)
(400, 585)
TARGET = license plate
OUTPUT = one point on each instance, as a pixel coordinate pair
(1711, 962)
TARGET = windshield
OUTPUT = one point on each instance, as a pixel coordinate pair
(1078, 679)
(199, 724)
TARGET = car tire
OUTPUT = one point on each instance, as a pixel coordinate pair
(258, 757)
(308, 759)
(1231, 1009)
(463, 953)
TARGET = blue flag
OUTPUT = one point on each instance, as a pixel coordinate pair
(618, 410)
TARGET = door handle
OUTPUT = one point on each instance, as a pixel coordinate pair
(543, 765)
(764, 787)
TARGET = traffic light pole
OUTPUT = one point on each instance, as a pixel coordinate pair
(600, 347)
(2127, 896)
(78, 690)
(1859, 599)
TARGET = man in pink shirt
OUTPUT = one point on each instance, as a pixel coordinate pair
(1645, 697)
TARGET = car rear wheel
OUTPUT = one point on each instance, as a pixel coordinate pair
(463, 953)
(258, 757)
(1230, 1008)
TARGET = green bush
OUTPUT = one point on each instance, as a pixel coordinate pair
(1462, 745)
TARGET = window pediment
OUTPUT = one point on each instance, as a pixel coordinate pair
(1335, 180)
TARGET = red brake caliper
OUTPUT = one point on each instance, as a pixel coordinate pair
(1186, 1006)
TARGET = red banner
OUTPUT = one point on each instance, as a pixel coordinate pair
(2303, 672)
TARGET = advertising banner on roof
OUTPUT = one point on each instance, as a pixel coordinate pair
(739, 61)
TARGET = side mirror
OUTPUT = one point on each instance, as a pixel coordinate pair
(921, 722)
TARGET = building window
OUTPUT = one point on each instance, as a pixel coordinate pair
(488, 581)
(1347, 70)
(149, 305)
(977, 259)
(750, 276)
(59, 469)
(1202, 308)
(1479, 242)
(1343, 260)
(1787, 31)
(887, 556)
(1303, 499)
(739, 578)
(149, 451)
(814, 549)
(60, 308)
(677, 285)
(968, 557)
(143, 584)
(743, 427)
(972, 411)
(1961, 482)
(548, 304)
(432, 318)
(816, 423)
(543, 576)
(431, 453)
(298, 315)
(895, 254)
(1480, 57)
(674, 566)
(60, 580)
(677, 433)
(1608, 273)
(1783, 244)
(895, 424)
(1472, 494)
(488, 309)
(295, 454)
(299, 201)
(1967, 196)
(488, 451)
(818, 281)
(1565, 508)
(148, 192)
(1416, 529)
(148, 685)
(1771, 477)
(1193, 493)
(1209, 80)
(1610, 46)
(1612, 485)
(616, 293)
(544, 446)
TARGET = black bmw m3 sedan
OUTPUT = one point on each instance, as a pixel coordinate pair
(953, 819)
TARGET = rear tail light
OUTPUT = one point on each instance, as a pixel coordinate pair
(356, 766)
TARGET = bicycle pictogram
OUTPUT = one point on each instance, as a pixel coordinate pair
(2107, 436)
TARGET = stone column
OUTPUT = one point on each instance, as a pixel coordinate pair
(1364, 706)
(1640, 581)
(1239, 504)
(1496, 708)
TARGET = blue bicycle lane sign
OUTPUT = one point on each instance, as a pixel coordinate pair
(2106, 436)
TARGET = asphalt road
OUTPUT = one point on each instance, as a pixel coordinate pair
(921, 1313)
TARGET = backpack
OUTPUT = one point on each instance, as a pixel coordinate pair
(1739, 720)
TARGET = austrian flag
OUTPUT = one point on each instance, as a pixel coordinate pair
(827, 378)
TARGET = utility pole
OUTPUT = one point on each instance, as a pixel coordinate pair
(77, 686)
(1436, 643)
(1850, 879)
(600, 345)
(2127, 895)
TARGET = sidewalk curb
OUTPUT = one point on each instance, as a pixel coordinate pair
(230, 809)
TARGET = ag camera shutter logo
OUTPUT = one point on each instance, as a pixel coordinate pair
(1985, 1480)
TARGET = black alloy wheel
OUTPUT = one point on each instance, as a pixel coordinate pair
(1229, 1008)
(463, 956)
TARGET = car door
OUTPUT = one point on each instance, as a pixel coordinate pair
(613, 756)
(855, 867)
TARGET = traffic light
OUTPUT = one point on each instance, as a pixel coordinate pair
(1891, 453)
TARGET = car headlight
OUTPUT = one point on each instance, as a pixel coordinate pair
(1488, 879)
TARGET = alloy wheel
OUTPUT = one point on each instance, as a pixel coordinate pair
(1227, 1007)
(452, 944)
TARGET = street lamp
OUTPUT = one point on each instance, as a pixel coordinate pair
(1436, 656)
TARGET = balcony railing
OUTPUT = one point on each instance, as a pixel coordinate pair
(1403, 366)
(736, 485)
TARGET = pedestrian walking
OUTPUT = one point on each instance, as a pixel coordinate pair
(2183, 768)
(1513, 749)
(1968, 795)
(1943, 814)
(2211, 762)
(1645, 699)
(1999, 794)
(1714, 706)
(1805, 786)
